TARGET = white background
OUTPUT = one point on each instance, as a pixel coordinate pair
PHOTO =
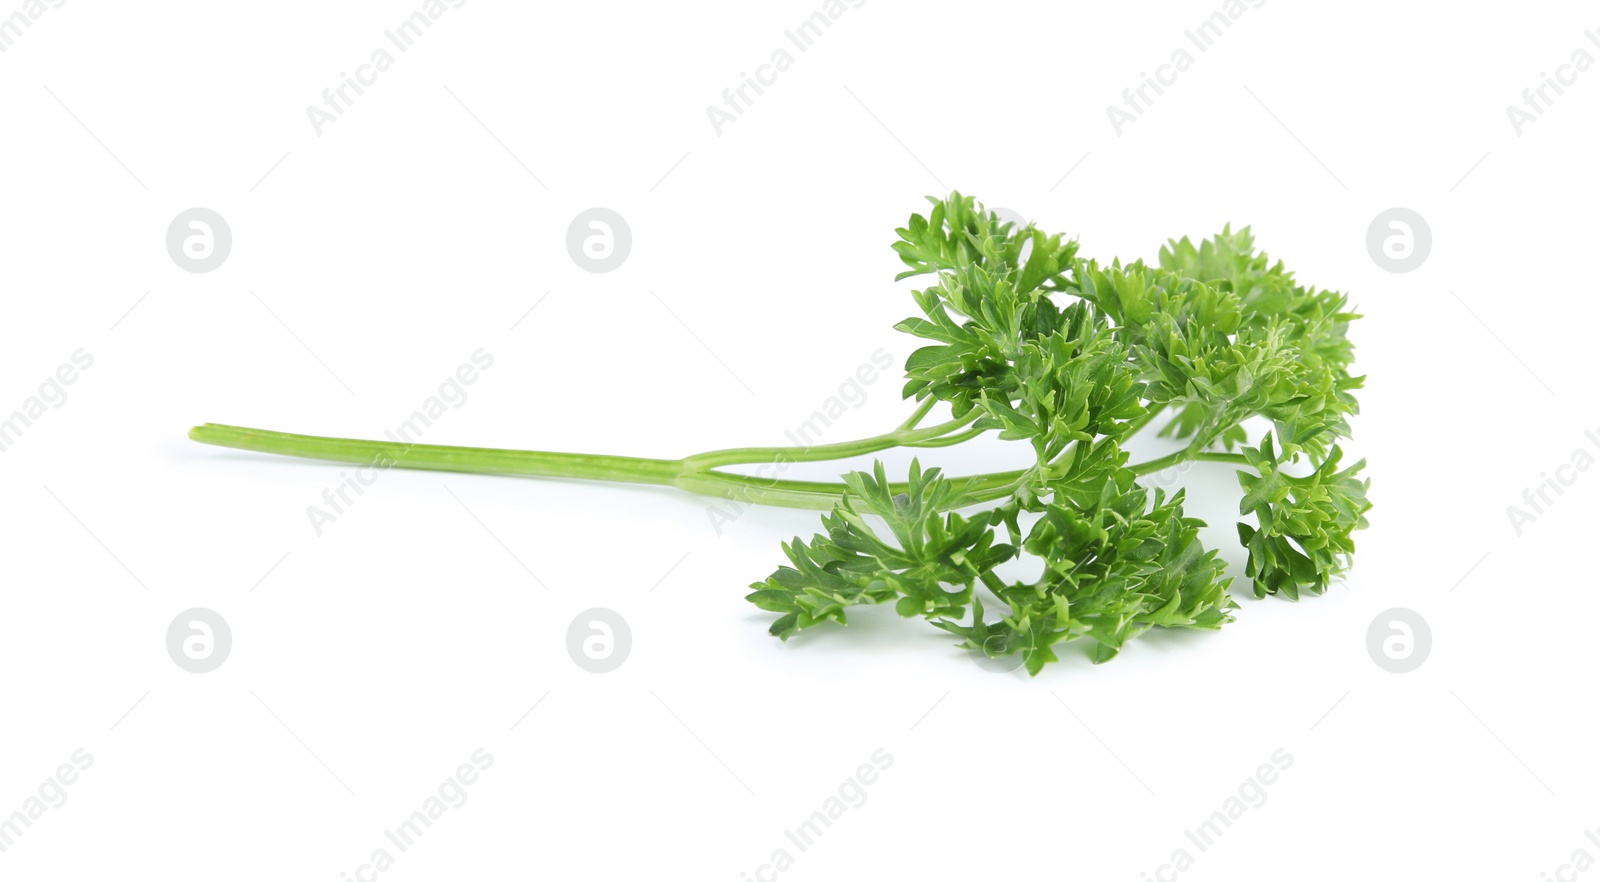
(370, 662)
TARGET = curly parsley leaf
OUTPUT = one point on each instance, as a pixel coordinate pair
(1214, 334)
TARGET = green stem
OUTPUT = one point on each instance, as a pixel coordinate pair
(697, 474)
(921, 411)
(1140, 422)
(948, 440)
(823, 495)
(1156, 465)
(694, 474)
(480, 460)
(823, 452)
(993, 582)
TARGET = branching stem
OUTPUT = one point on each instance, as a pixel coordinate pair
(698, 473)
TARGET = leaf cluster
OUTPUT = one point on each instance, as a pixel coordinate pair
(1028, 340)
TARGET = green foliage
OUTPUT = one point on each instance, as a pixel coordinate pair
(1303, 523)
(1024, 339)
(929, 569)
(1029, 341)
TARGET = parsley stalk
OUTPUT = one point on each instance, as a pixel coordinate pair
(699, 473)
(1069, 358)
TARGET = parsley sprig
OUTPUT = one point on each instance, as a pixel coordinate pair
(1025, 339)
